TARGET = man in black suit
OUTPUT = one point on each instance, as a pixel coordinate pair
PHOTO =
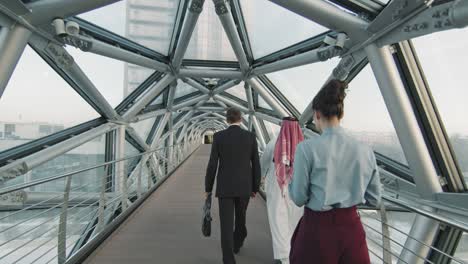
(236, 152)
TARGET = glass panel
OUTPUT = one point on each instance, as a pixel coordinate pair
(443, 58)
(376, 128)
(462, 249)
(143, 127)
(399, 225)
(209, 41)
(238, 91)
(265, 38)
(149, 23)
(38, 102)
(135, 75)
(300, 84)
(262, 103)
(183, 89)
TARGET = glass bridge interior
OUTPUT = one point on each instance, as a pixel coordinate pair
(102, 100)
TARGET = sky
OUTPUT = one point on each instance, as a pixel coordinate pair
(37, 93)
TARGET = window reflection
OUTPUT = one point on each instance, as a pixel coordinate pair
(462, 249)
(264, 37)
(366, 116)
(301, 84)
(443, 58)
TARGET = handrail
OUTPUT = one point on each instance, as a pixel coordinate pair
(18, 187)
(442, 219)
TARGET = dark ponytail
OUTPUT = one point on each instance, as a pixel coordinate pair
(329, 101)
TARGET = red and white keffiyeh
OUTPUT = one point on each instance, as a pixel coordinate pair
(290, 135)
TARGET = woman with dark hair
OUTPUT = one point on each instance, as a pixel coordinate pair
(332, 174)
(277, 168)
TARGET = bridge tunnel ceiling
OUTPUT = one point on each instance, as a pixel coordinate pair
(168, 70)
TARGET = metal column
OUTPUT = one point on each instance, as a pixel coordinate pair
(412, 142)
(13, 41)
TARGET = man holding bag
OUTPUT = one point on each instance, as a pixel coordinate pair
(238, 178)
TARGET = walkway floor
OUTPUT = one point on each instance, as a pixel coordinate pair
(167, 227)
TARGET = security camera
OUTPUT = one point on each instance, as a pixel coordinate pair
(59, 26)
(72, 28)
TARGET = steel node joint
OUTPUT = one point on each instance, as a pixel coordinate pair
(220, 7)
(59, 55)
(196, 6)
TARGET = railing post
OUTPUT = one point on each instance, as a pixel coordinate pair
(62, 228)
(121, 180)
(140, 172)
(102, 199)
(386, 245)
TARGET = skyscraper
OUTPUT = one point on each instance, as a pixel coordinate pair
(151, 23)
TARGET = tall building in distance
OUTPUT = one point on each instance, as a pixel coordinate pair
(151, 23)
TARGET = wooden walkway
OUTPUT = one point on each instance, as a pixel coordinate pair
(167, 226)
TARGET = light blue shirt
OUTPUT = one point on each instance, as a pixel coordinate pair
(334, 170)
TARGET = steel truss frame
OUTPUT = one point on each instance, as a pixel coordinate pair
(369, 37)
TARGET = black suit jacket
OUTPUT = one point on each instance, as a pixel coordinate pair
(236, 152)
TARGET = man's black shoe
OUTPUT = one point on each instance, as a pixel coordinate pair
(237, 247)
(236, 250)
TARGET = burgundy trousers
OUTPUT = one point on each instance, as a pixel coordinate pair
(329, 237)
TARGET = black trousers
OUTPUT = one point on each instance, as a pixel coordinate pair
(228, 207)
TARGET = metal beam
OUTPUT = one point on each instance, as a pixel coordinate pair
(226, 86)
(212, 109)
(317, 55)
(266, 117)
(13, 41)
(45, 11)
(87, 44)
(248, 92)
(423, 230)
(224, 14)
(258, 132)
(135, 94)
(190, 102)
(258, 87)
(404, 120)
(239, 19)
(148, 115)
(196, 85)
(137, 139)
(195, 8)
(149, 96)
(329, 16)
(160, 130)
(422, 20)
(210, 73)
(171, 95)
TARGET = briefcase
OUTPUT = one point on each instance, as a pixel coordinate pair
(206, 223)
